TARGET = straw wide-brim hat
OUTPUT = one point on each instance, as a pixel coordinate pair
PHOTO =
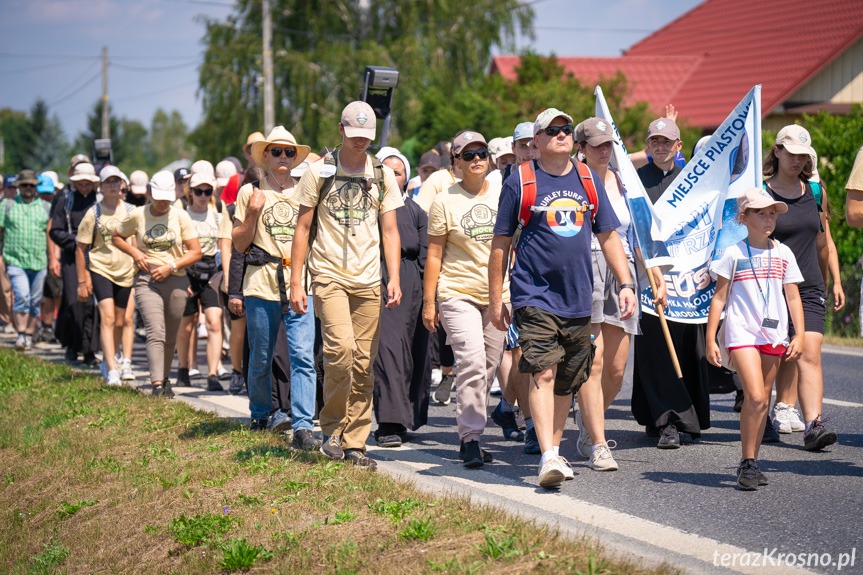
(278, 137)
(83, 172)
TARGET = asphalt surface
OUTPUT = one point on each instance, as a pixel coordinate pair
(679, 505)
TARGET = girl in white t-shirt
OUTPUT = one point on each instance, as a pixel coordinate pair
(750, 277)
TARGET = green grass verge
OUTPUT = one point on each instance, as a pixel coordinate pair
(105, 479)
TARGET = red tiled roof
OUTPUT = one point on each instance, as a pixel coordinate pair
(650, 79)
(731, 46)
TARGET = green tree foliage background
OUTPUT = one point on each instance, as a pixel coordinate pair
(320, 49)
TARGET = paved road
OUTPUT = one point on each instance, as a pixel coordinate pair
(680, 505)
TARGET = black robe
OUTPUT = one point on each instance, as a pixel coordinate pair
(77, 322)
(403, 364)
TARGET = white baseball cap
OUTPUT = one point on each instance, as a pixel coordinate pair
(224, 170)
(110, 172)
(162, 186)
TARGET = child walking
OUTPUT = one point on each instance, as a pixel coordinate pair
(750, 278)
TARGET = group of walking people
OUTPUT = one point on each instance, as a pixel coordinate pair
(513, 261)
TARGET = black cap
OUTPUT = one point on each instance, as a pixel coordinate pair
(181, 174)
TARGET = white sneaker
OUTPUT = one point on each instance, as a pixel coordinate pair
(794, 418)
(202, 331)
(584, 443)
(495, 387)
(114, 377)
(194, 373)
(601, 459)
(28, 342)
(19, 343)
(552, 474)
(118, 358)
(782, 417)
(436, 376)
(568, 473)
(223, 373)
(126, 373)
(8, 329)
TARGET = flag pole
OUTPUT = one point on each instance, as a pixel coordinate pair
(661, 313)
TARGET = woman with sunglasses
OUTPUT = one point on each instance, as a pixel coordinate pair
(211, 220)
(104, 271)
(167, 243)
(595, 139)
(461, 220)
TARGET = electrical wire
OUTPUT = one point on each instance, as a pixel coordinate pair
(154, 68)
(78, 89)
(154, 92)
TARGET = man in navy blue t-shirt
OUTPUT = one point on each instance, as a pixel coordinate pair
(551, 285)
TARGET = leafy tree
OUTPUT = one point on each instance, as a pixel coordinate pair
(129, 140)
(18, 140)
(320, 51)
(50, 148)
(167, 138)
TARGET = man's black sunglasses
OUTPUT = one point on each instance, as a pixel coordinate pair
(289, 152)
(553, 131)
(469, 156)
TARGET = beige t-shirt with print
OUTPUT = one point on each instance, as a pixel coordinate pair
(467, 221)
(160, 238)
(211, 227)
(274, 234)
(433, 186)
(352, 260)
(105, 259)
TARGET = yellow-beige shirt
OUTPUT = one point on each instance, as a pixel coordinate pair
(160, 238)
(105, 259)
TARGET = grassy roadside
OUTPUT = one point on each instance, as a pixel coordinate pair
(843, 341)
(104, 479)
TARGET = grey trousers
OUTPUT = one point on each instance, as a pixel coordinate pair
(161, 305)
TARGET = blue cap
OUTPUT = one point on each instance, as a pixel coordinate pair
(522, 131)
(46, 185)
(9, 180)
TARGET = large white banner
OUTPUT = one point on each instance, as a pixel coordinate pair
(694, 220)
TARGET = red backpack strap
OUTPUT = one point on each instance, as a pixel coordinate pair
(589, 187)
(527, 195)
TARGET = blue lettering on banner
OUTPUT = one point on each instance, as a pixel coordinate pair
(689, 295)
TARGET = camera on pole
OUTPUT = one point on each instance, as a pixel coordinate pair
(103, 155)
(379, 83)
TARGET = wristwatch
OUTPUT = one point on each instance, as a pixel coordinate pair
(624, 286)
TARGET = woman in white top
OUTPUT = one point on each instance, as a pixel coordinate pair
(611, 335)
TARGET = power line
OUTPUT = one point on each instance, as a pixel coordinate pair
(38, 67)
(75, 81)
(78, 89)
(86, 56)
(155, 68)
(154, 92)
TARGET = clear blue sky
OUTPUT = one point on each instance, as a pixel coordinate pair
(52, 48)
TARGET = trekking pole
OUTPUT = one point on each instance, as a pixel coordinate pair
(661, 312)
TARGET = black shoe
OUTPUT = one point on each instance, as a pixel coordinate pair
(472, 456)
(747, 475)
(213, 383)
(444, 389)
(183, 377)
(392, 440)
(90, 359)
(360, 459)
(486, 456)
(818, 437)
(770, 433)
(669, 438)
(237, 383)
(651, 431)
(258, 425)
(167, 392)
(332, 447)
(305, 439)
(71, 355)
(738, 401)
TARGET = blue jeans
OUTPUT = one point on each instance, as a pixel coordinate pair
(262, 320)
(27, 287)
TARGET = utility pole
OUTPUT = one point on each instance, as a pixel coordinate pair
(106, 122)
(269, 112)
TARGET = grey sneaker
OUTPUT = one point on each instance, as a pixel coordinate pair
(126, 373)
(280, 420)
(28, 342)
(19, 344)
(818, 437)
(305, 439)
(747, 475)
(444, 389)
(237, 383)
(332, 447)
(601, 459)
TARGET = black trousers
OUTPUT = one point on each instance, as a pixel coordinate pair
(77, 322)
